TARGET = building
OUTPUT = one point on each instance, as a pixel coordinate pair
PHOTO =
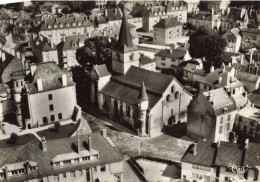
(154, 15)
(67, 50)
(40, 100)
(247, 124)
(147, 63)
(84, 157)
(250, 81)
(171, 58)
(250, 38)
(192, 5)
(166, 31)
(6, 104)
(44, 50)
(139, 98)
(211, 115)
(233, 39)
(222, 161)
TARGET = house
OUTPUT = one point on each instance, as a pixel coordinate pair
(171, 58)
(233, 39)
(147, 63)
(40, 100)
(152, 16)
(44, 50)
(222, 161)
(211, 115)
(250, 38)
(140, 98)
(6, 104)
(192, 5)
(67, 50)
(250, 81)
(84, 157)
(247, 124)
(166, 31)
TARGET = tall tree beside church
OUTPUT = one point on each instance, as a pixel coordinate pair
(207, 44)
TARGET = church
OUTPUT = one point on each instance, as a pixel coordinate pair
(142, 99)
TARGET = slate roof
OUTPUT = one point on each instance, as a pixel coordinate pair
(168, 23)
(177, 54)
(142, 94)
(51, 74)
(145, 60)
(244, 76)
(72, 40)
(43, 45)
(254, 97)
(101, 70)
(10, 65)
(221, 100)
(33, 152)
(208, 154)
(228, 55)
(125, 43)
(127, 87)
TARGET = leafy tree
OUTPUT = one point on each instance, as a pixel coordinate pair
(65, 10)
(207, 44)
(13, 138)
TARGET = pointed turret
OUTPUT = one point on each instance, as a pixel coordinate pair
(125, 42)
(143, 95)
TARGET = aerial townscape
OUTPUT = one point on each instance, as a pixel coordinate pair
(130, 91)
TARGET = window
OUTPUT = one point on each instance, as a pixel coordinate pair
(51, 107)
(2, 175)
(52, 118)
(172, 89)
(72, 174)
(76, 160)
(67, 162)
(64, 175)
(205, 86)
(163, 59)
(177, 95)
(173, 60)
(44, 120)
(103, 168)
(50, 96)
(57, 164)
(163, 64)
(220, 129)
(86, 158)
(60, 115)
(221, 120)
(228, 126)
(131, 57)
(229, 116)
(245, 128)
(128, 110)
(95, 169)
(226, 178)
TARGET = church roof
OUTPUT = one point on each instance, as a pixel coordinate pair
(125, 43)
(143, 95)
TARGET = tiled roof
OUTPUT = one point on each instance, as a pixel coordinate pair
(33, 152)
(227, 154)
(177, 54)
(168, 23)
(244, 76)
(221, 100)
(51, 74)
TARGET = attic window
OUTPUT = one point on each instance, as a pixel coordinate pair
(225, 110)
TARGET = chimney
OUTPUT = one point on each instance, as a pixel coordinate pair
(212, 68)
(64, 80)
(251, 56)
(104, 132)
(194, 149)
(246, 143)
(218, 143)
(89, 143)
(39, 84)
(33, 68)
(3, 56)
(44, 144)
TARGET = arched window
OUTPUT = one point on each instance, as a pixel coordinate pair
(176, 95)
(168, 98)
(172, 89)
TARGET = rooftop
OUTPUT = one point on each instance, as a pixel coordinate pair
(168, 23)
(244, 76)
(171, 53)
(250, 113)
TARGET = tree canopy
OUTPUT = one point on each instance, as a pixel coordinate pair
(96, 50)
(208, 44)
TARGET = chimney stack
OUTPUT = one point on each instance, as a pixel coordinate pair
(89, 143)
(104, 132)
(251, 56)
(44, 144)
(246, 143)
(212, 68)
(194, 149)
(64, 80)
(39, 84)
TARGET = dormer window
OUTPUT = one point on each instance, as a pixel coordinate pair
(225, 110)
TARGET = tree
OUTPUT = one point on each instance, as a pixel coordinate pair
(65, 10)
(207, 44)
(57, 126)
(13, 138)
